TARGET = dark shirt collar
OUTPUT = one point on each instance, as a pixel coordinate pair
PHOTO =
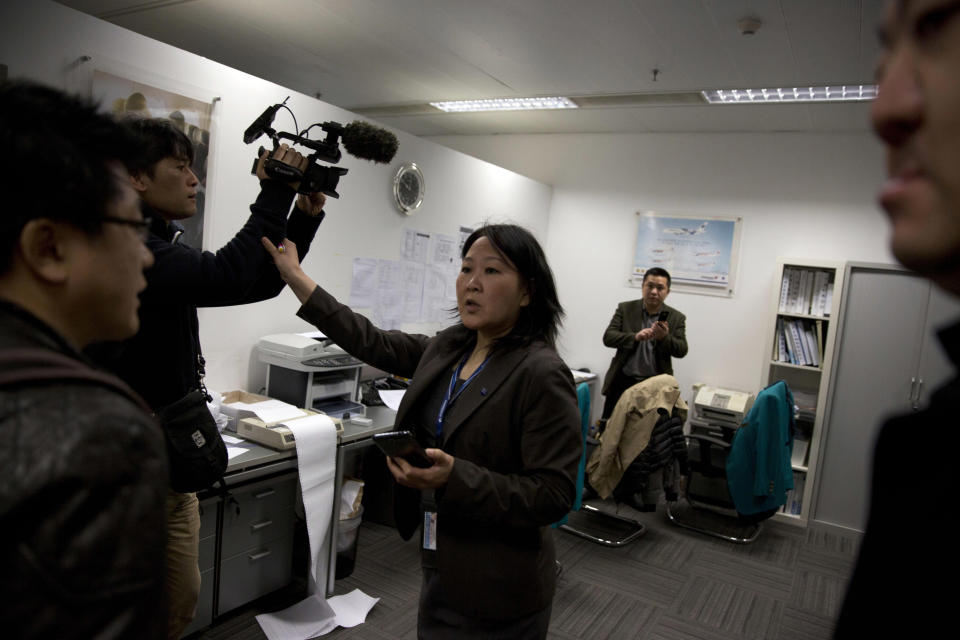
(159, 226)
(22, 326)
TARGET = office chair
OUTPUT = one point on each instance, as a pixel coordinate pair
(631, 436)
(587, 521)
(739, 479)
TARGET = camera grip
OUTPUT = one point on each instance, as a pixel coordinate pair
(276, 169)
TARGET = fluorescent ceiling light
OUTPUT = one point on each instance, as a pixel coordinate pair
(833, 93)
(505, 104)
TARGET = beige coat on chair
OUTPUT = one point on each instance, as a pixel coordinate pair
(628, 430)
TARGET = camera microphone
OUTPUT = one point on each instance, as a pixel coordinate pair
(368, 142)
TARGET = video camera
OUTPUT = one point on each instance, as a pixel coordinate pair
(360, 139)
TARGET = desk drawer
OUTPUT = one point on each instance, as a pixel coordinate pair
(208, 534)
(256, 572)
(249, 533)
(260, 498)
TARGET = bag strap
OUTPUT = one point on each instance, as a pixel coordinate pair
(23, 365)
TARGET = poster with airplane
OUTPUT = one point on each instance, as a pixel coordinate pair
(699, 251)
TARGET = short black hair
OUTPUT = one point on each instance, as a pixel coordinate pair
(656, 271)
(160, 138)
(57, 158)
(541, 318)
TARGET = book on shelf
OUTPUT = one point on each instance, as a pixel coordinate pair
(794, 502)
(818, 331)
(792, 348)
(811, 342)
(800, 348)
(798, 456)
(802, 292)
(787, 341)
(821, 280)
(829, 300)
(807, 293)
(793, 297)
(784, 289)
(796, 505)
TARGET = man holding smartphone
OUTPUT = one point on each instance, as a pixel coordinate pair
(646, 334)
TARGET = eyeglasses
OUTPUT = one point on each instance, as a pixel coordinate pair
(142, 227)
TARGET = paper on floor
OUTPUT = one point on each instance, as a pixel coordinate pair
(314, 617)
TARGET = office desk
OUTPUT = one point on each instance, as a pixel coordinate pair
(255, 519)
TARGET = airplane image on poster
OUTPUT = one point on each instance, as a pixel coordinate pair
(683, 231)
(694, 250)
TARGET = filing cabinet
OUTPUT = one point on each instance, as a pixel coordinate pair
(246, 544)
(257, 541)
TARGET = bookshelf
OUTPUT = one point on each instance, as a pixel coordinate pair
(800, 347)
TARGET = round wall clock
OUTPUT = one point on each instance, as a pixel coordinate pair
(408, 188)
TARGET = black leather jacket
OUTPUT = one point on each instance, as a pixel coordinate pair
(82, 490)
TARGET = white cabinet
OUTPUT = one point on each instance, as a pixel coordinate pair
(888, 360)
(800, 347)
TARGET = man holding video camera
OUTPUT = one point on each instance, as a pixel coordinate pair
(163, 362)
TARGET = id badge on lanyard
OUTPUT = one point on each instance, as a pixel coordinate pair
(430, 511)
(430, 530)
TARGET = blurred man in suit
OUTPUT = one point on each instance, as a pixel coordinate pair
(896, 589)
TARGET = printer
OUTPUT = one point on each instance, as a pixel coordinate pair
(308, 370)
(718, 411)
(304, 352)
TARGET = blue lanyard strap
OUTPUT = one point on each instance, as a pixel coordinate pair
(452, 395)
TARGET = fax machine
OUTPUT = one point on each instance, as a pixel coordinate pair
(304, 352)
(717, 410)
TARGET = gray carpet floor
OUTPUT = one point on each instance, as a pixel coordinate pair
(669, 584)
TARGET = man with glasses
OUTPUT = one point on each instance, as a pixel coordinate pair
(84, 469)
(163, 362)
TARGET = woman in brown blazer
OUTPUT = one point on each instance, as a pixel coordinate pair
(496, 408)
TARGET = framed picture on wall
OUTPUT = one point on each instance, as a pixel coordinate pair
(125, 97)
(700, 253)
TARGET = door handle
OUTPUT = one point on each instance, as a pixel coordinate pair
(258, 556)
(916, 397)
(264, 494)
(913, 386)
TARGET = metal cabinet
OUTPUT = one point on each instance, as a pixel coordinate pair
(246, 544)
(888, 360)
(257, 541)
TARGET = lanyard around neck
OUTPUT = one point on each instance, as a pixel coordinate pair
(453, 393)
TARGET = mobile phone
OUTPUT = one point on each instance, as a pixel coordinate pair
(402, 444)
(663, 316)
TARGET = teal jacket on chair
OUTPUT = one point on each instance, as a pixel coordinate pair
(759, 471)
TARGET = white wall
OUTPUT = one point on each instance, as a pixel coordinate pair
(43, 40)
(800, 195)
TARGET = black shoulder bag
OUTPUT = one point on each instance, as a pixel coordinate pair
(197, 454)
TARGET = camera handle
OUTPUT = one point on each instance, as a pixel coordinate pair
(276, 169)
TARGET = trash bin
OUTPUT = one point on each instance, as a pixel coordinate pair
(347, 533)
